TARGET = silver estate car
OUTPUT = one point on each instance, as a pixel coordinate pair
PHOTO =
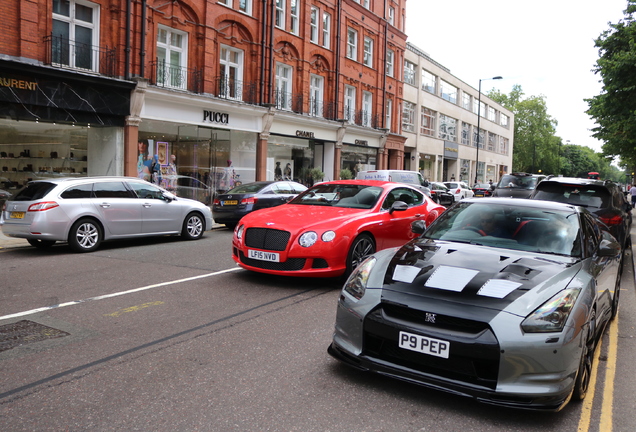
(86, 211)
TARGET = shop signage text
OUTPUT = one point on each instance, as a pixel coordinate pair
(304, 134)
(362, 142)
(18, 83)
(216, 117)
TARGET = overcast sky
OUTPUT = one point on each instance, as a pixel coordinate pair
(545, 46)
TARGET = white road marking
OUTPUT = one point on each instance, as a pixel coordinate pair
(116, 294)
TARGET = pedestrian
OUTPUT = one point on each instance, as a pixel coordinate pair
(632, 192)
(155, 171)
(278, 173)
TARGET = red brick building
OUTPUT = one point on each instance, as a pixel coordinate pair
(231, 88)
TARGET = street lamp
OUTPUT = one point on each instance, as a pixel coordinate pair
(478, 123)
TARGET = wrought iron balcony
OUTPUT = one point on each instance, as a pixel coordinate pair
(177, 77)
(230, 88)
(69, 54)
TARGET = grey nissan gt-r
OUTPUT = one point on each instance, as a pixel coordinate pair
(501, 300)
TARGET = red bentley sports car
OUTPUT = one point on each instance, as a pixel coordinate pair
(330, 228)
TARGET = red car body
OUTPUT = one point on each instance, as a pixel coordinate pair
(269, 240)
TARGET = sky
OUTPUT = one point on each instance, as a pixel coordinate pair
(545, 46)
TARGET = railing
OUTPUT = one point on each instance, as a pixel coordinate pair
(65, 53)
(177, 77)
(230, 88)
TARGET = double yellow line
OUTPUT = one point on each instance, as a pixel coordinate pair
(607, 407)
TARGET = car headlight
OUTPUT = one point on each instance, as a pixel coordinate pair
(553, 314)
(356, 285)
(328, 236)
(308, 239)
(239, 232)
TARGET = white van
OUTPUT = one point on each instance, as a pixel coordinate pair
(412, 178)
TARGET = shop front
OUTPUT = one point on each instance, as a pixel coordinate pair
(57, 124)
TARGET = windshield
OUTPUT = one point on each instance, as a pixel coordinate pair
(509, 227)
(519, 182)
(340, 195)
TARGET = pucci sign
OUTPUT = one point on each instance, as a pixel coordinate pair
(216, 117)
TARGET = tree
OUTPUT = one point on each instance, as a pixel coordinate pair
(614, 110)
(535, 145)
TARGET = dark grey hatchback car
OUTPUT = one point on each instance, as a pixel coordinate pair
(604, 199)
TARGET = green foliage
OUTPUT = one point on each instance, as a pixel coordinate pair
(316, 174)
(614, 110)
(346, 174)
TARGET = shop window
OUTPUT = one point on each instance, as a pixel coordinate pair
(75, 30)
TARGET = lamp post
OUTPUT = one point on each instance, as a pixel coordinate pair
(478, 128)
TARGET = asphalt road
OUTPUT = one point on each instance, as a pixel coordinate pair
(167, 335)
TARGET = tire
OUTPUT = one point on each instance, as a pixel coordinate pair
(85, 235)
(41, 244)
(582, 381)
(193, 227)
(230, 226)
(362, 247)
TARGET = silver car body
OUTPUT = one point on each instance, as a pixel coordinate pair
(130, 208)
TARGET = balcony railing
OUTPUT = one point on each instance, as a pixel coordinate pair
(303, 104)
(177, 77)
(230, 88)
(65, 53)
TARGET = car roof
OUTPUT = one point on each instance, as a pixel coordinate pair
(578, 181)
(82, 179)
(516, 202)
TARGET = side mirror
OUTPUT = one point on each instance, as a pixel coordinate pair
(398, 206)
(418, 227)
(169, 196)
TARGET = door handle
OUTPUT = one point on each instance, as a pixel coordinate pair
(104, 205)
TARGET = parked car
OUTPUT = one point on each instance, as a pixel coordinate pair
(604, 199)
(483, 189)
(517, 185)
(230, 207)
(412, 178)
(86, 211)
(459, 189)
(4, 196)
(330, 228)
(442, 194)
(510, 320)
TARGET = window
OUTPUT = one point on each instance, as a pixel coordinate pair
(294, 12)
(428, 81)
(409, 72)
(245, 6)
(447, 128)
(492, 114)
(465, 133)
(390, 55)
(492, 141)
(283, 86)
(391, 15)
(75, 30)
(466, 101)
(503, 145)
(364, 3)
(316, 90)
(350, 103)
(226, 2)
(326, 30)
(476, 106)
(504, 120)
(368, 52)
(408, 117)
(481, 138)
(448, 91)
(352, 44)
(428, 122)
(313, 25)
(388, 114)
(231, 72)
(367, 108)
(280, 14)
(172, 58)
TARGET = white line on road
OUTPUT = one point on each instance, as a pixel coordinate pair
(116, 294)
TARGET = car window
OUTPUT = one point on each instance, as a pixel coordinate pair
(78, 191)
(247, 188)
(114, 189)
(282, 188)
(34, 191)
(298, 188)
(340, 195)
(147, 191)
(581, 195)
(406, 195)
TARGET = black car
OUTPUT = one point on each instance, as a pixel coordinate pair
(483, 189)
(230, 207)
(441, 194)
(604, 199)
(517, 185)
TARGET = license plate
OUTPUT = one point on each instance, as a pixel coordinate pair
(16, 215)
(479, 194)
(263, 256)
(424, 345)
(229, 202)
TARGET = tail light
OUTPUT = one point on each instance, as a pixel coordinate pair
(458, 191)
(43, 206)
(250, 200)
(217, 201)
(611, 220)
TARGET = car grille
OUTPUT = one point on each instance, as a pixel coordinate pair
(292, 264)
(266, 238)
(474, 354)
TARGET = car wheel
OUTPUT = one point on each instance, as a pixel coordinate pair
(85, 235)
(584, 373)
(362, 247)
(193, 227)
(41, 244)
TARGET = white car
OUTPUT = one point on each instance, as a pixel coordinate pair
(459, 189)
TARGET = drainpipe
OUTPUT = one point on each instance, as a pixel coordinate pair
(270, 77)
(263, 35)
(142, 54)
(338, 49)
(127, 49)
